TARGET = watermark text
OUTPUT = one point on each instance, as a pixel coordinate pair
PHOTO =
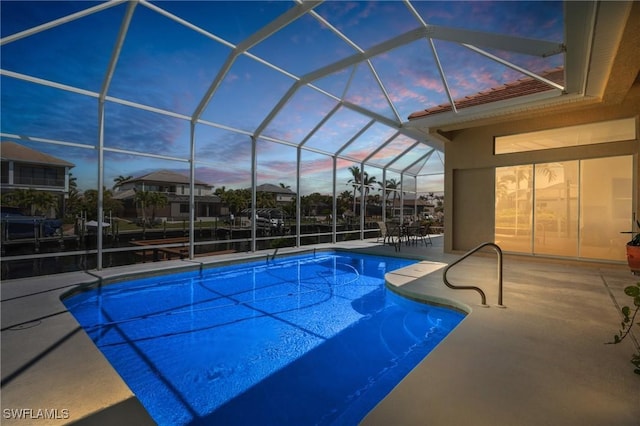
(35, 413)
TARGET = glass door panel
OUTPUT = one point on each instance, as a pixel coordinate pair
(556, 209)
(605, 205)
(514, 192)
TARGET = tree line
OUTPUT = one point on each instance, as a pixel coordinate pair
(35, 202)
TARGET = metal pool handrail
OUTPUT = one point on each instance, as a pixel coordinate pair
(498, 250)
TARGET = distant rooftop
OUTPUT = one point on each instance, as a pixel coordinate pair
(166, 176)
(275, 189)
(11, 151)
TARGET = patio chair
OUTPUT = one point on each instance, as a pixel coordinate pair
(426, 234)
(394, 234)
(418, 232)
(412, 232)
(383, 232)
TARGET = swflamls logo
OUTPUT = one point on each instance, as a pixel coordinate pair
(35, 413)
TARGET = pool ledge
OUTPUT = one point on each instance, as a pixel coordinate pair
(400, 281)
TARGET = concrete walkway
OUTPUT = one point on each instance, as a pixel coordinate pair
(540, 360)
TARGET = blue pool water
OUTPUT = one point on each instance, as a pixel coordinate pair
(314, 339)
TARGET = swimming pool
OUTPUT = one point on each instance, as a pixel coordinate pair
(309, 339)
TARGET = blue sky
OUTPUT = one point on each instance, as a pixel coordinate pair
(169, 66)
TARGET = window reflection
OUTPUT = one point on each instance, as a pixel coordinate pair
(556, 209)
(513, 212)
(581, 208)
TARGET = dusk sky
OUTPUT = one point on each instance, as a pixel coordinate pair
(169, 66)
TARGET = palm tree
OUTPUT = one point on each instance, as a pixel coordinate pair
(237, 199)
(89, 203)
(305, 205)
(156, 199)
(220, 191)
(389, 187)
(368, 182)
(120, 180)
(359, 181)
(385, 192)
(290, 208)
(71, 202)
(73, 182)
(43, 203)
(343, 201)
(144, 198)
(265, 200)
(21, 198)
(36, 202)
(356, 182)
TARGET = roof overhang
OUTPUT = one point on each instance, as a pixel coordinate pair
(594, 35)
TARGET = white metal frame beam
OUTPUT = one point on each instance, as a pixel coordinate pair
(61, 21)
(122, 33)
(272, 27)
(496, 41)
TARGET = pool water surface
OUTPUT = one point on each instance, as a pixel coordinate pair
(302, 340)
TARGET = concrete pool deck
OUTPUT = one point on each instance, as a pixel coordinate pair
(540, 360)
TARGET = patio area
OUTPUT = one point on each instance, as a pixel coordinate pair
(540, 360)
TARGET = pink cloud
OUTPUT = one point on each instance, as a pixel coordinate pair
(224, 177)
(430, 84)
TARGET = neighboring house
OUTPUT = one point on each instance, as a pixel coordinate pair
(411, 206)
(175, 187)
(280, 194)
(26, 168)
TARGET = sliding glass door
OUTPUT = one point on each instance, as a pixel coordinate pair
(568, 209)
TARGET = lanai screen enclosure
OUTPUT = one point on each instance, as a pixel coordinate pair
(312, 97)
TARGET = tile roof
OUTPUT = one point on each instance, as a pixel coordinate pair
(166, 176)
(522, 87)
(275, 189)
(11, 151)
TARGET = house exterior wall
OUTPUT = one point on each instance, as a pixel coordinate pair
(176, 213)
(178, 210)
(53, 179)
(284, 198)
(16, 174)
(167, 187)
(470, 154)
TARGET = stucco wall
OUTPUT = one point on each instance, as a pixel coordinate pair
(470, 165)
